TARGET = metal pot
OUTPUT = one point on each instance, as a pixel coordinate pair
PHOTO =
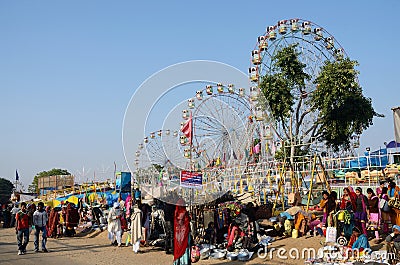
(232, 256)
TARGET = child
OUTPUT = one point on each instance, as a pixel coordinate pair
(211, 234)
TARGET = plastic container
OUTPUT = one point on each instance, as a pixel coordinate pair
(295, 233)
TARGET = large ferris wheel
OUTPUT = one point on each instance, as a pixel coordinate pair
(227, 129)
(314, 46)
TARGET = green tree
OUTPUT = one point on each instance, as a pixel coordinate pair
(336, 107)
(282, 88)
(6, 189)
(343, 110)
(53, 172)
(33, 187)
(158, 167)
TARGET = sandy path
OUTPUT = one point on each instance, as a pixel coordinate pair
(95, 249)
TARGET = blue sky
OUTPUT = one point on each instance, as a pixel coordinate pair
(69, 68)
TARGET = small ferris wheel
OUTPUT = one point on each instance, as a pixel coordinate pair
(159, 154)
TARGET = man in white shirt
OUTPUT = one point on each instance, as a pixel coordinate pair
(14, 212)
(39, 221)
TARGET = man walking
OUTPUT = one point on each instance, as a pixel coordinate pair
(114, 224)
(39, 221)
(22, 229)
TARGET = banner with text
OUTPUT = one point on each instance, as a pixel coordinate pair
(193, 180)
(396, 117)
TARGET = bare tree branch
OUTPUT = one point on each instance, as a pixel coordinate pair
(313, 134)
(311, 129)
(285, 129)
(297, 115)
(303, 115)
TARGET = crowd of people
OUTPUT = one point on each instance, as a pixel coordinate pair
(367, 212)
(43, 221)
(131, 217)
(360, 218)
(357, 217)
(142, 221)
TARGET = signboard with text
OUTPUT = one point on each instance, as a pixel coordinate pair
(193, 180)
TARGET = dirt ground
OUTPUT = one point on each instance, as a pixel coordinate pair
(95, 248)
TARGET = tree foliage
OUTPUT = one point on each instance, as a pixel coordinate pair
(33, 187)
(343, 110)
(159, 168)
(53, 172)
(288, 75)
(6, 189)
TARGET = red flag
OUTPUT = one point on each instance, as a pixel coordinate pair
(187, 129)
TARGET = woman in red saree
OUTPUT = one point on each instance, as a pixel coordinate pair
(71, 220)
(349, 198)
(53, 223)
(181, 235)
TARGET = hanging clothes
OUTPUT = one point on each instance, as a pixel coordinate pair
(220, 218)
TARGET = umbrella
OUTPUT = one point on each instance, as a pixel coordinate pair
(73, 199)
(53, 203)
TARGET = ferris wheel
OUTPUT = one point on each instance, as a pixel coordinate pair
(314, 46)
(159, 155)
(226, 127)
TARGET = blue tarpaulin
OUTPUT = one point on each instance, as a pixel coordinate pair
(110, 197)
(392, 144)
(376, 158)
(361, 162)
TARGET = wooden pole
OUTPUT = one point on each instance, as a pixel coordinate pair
(311, 182)
(280, 185)
(325, 174)
(115, 176)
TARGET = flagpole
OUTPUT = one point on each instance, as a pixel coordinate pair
(191, 140)
(191, 159)
(394, 125)
(16, 185)
(187, 130)
(115, 176)
(16, 180)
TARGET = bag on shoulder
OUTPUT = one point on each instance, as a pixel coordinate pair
(386, 208)
(382, 204)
